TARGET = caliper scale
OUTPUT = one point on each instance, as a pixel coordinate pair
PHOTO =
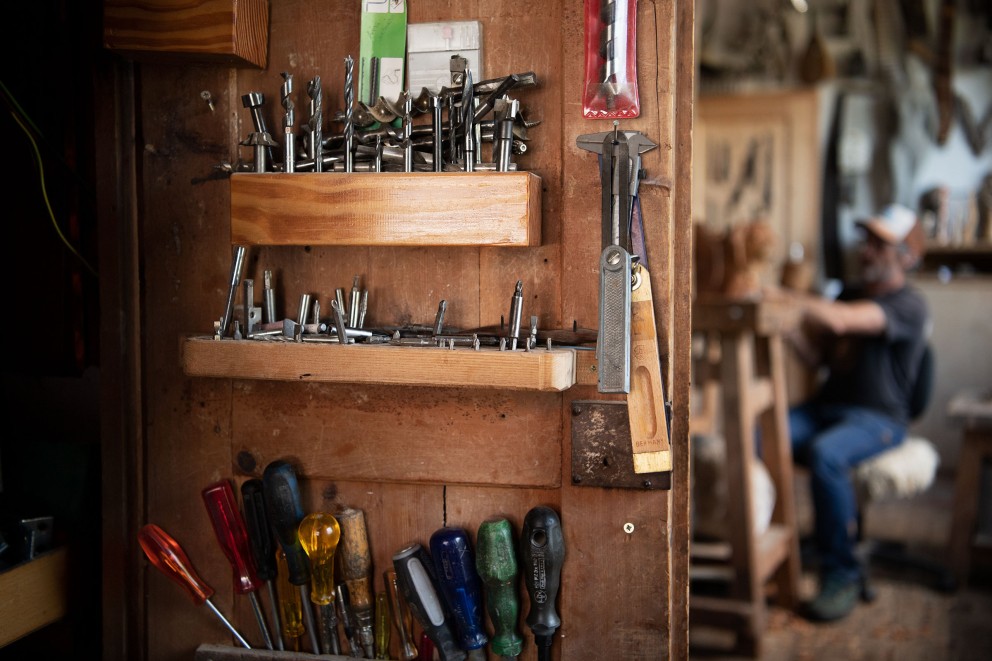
(620, 171)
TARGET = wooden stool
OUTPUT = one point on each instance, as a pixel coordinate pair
(749, 377)
(976, 448)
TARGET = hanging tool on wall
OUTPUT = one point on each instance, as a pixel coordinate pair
(232, 536)
(262, 546)
(169, 558)
(319, 535)
(285, 510)
(620, 171)
(542, 552)
(610, 89)
(454, 564)
(496, 563)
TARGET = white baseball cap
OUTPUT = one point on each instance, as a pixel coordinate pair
(892, 224)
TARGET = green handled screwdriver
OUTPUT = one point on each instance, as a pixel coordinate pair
(496, 563)
(285, 509)
(319, 535)
(542, 550)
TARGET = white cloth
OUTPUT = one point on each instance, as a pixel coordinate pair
(904, 471)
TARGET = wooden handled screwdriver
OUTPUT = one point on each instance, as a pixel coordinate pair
(356, 567)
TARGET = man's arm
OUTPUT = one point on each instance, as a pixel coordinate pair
(864, 317)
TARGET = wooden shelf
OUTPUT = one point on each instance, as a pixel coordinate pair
(33, 595)
(231, 31)
(539, 370)
(386, 209)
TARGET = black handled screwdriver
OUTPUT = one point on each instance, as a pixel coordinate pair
(262, 546)
(285, 510)
(417, 583)
(542, 551)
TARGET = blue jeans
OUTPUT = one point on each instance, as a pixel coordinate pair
(831, 439)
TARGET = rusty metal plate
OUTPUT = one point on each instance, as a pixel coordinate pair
(601, 453)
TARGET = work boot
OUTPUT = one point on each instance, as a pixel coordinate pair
(838, 596)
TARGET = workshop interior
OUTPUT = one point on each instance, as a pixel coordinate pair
(424, 329)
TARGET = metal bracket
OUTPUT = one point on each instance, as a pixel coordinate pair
(601, 449)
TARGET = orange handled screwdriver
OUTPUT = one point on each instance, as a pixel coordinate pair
(170, 559)
(233, 539)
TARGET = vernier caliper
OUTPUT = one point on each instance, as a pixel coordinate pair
(619, 170)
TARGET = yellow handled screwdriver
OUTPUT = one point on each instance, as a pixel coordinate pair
(289, 604)
(319, 535)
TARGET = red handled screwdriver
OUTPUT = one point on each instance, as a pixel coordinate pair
(233, 539)
(169, 558)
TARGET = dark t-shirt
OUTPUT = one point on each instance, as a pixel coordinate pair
(879, 371)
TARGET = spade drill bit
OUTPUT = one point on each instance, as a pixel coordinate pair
(349, 104)
(315, 124)
(289, 160)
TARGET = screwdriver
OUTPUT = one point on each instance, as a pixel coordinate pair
(418, 585)
(289, 602)
(344, 603)
(542, 551)
(282, 502)
(496, 563)
(402, 619)
(233, 539)
(382, 625)
(169, 558)
(426, 647)
(319, 535)
(454, 563)
(262, 546)
(356, 564)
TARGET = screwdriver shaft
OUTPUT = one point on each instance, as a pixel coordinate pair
(276, 620)
(257, 608)
(227, 624)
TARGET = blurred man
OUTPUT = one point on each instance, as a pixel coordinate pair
(871, 341)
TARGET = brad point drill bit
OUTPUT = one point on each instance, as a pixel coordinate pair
(315, 123)
(289, 164)
(349, 104)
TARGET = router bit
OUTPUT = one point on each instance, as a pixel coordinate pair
(289, 154)
(253, 101)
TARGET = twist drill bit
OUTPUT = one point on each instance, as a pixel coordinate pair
(289, 160)
(408, 135)
(315, 123)
(349, 104)
(468, 121)
(438, 128)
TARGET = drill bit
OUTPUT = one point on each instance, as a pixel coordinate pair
(315, 123)
(468, 121)
(289, 161)
(269, 298)
(408, 135)
(613, 48)
(349, 104)
(438, 128)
